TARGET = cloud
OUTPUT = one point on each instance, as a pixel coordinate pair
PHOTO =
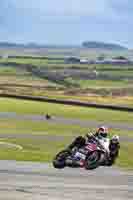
(122, 6)
(66, 20)
(71, 11)
(61, 7)
(75, 7)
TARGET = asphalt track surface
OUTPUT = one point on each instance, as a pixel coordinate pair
(50, 137)
(61, 120)
(36, 181)
(67, 121)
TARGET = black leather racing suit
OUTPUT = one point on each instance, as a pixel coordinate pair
(114, 152)
(78, 142)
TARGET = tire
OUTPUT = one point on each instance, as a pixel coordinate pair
(111, 162)
(60, 158)
(92, 160)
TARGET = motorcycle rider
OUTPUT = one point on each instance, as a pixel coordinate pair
(114, 147)
(111, 146)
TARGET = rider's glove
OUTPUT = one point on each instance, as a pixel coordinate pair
(91, 134)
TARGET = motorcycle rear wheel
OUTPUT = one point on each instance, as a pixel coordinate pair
(60, 158)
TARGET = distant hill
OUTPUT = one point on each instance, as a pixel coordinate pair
(102, 45)
(7, 45)
(34, 45)
(18, 45)
(91, 45)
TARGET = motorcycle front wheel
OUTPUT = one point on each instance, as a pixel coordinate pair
(92, 160)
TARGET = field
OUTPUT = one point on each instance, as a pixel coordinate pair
(83, 84)
(25, 61)
(42, 139)
(44, 150)
(18, 106)
(52, 77)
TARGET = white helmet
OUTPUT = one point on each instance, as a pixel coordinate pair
(102, 132)
(115, 139)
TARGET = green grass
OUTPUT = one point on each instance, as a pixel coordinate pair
(33, 149)
(25, 61)
(25, 78)
(44, 150)
(112, 100)
(126, 153)
(33, 107)
(10, 70)
(115, 73)
(108, 67)
(43, 127)
(99, 83)
(55, 63)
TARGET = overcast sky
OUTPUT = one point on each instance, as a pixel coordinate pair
(67, 21)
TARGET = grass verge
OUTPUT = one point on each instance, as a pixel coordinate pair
(24, 126)
(33, 107)
(33, 149)
(97, 84)
(125, 160)
(36, 149)
(44, 151)
(10, 126)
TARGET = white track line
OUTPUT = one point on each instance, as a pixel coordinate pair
(11, 145)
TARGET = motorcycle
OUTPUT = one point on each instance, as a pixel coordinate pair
(89, 157)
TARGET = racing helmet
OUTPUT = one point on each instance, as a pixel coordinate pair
(115, 139)
(102, 132)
